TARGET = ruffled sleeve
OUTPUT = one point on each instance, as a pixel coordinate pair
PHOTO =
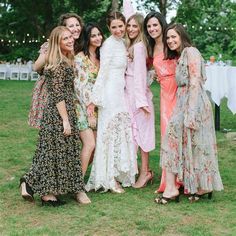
(97, 96)
(193, 114)
(83, 87)
(140, 75)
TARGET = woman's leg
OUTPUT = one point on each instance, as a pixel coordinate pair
(171, 190)
(88, 142)
(145, 174)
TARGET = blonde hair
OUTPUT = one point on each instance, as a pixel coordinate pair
(139, 19)
(54, 55)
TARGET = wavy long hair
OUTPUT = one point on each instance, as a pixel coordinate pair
(87, 35)
(185, 40)
(55, 56)
(163, 23)
(139, 19)
(79, 43)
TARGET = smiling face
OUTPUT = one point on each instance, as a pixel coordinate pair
(74, 26)
(173, 40)
(132, 29)
(117, 28)
(66, 42)
(95, 38)
(154, 28)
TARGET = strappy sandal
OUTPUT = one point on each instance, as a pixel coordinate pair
(195, 197)
(165, 200)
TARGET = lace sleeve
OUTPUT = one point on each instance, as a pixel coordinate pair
(192, 114)
(99, 86)
(56, 83)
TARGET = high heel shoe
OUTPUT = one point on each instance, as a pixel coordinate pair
(165, 200)
(195, 197)
(82, 198)
(54, 203)
(150, 179)
(26, 191)
(117, 190)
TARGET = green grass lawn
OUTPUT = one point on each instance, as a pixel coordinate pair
(131, 213)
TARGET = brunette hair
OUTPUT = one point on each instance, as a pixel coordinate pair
(87, 35)
(140, 37)
(54, 55)
(114, 15)
(162, 21)
(78, 45)
(185, 40)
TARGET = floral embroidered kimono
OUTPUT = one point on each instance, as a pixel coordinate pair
(84, 82)
(189, 146)
(114, 158)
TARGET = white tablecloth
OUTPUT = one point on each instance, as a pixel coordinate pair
(221, 82)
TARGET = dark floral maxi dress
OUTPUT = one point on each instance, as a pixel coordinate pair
(56, 167)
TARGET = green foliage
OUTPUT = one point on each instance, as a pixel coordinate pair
(211, 25)
(24, 21)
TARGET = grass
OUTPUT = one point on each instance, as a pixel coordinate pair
(132, 213)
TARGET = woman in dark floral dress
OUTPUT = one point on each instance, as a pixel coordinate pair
(56, 167)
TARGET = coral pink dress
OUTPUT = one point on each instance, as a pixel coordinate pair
(165, 70)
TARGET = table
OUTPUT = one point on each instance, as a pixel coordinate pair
(221, 82)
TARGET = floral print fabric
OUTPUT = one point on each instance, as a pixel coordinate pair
(56, 167)
(189, 146)
(84, 82)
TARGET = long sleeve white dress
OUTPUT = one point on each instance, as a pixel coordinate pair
(114, 158)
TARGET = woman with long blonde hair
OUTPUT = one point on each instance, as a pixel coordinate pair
(139, 96)
(56, 167)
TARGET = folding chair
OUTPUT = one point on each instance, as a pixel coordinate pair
(14, 72)
(24, 72)
(3, 71)
(34, 76)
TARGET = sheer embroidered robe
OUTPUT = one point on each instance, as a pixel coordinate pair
(189, 146)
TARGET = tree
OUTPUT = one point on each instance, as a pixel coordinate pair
(211, 24)
(28, 23)
(162, 5)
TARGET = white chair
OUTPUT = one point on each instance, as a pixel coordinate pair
(14, 72)
(3, 71)
(34, 76)
(24, 72)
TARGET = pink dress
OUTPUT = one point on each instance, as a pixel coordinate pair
(165, 70)
(138, 95)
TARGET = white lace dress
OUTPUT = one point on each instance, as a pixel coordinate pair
(114, 157)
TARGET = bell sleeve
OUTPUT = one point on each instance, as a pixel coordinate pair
(193, 114)
(97, 95)
(140, 75)
(83, 87)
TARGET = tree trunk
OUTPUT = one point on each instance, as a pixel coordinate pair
(163, 5)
